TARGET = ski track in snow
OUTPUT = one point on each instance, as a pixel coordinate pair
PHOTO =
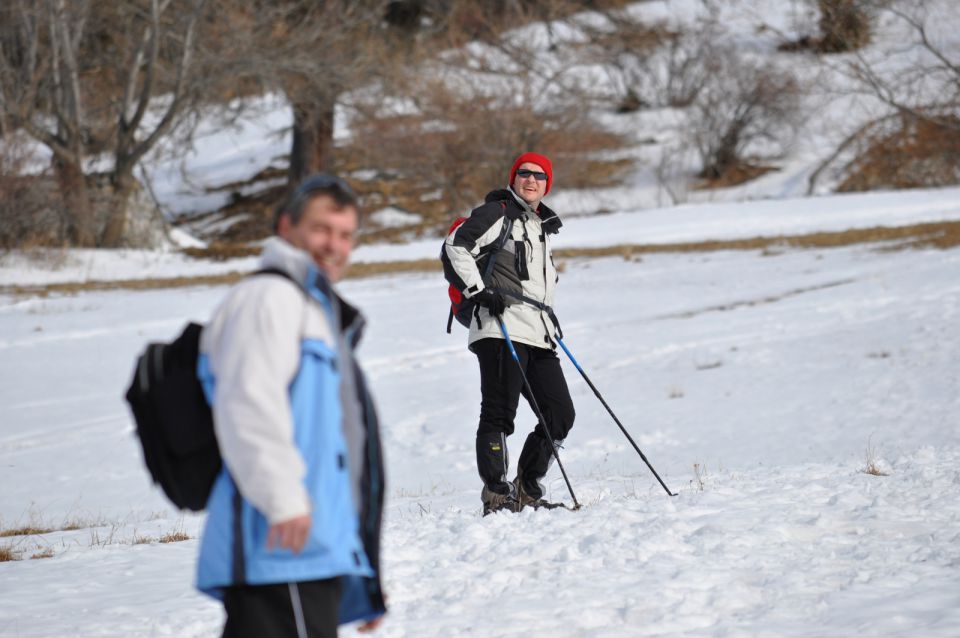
(773, 374)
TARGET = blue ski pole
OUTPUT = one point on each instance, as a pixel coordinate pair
(599, 396)
(536, 408)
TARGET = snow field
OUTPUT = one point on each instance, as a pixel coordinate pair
(780, 376)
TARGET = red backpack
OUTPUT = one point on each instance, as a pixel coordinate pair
(461, 308)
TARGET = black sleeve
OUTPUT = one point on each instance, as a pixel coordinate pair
(480, 221)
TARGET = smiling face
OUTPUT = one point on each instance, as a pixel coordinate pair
(325, 231)
(530, 189)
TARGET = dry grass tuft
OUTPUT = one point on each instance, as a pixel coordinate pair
(44, 553)
(699, 476)
(26, 530)
(73, 524)
(874, 470)
(734, 175)
(174, 537)
(220, 251)
(8, 554)
(875, 466)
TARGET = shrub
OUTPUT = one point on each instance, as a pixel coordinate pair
(175, 536)
(845, 25)
(28, 211)
(743, 103)
(906, 152)
(7, 554)
(466, 140)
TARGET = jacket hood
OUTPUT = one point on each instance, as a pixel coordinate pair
(280, 254)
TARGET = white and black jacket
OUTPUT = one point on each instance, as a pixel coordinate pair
(523, 267)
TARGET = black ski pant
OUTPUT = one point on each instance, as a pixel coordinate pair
(285, 610)
(501, 385)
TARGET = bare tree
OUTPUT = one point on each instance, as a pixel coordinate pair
(922, 77)
(83, 79)
(648, 64)
(917, 85)
(315, 54)
(743, 102)
(468, 112)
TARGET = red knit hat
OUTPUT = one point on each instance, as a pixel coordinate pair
(534, 158)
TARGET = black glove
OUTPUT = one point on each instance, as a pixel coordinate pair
(491, 300)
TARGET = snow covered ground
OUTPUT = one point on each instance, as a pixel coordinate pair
(686, 223)
(760, 386)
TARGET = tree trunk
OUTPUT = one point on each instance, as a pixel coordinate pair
(116, 215)
(312, 149)
(75, 197)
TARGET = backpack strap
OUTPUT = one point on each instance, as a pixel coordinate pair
(306, 295)
(491, 255)
(275, 271)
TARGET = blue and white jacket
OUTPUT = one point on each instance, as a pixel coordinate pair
(298, 435)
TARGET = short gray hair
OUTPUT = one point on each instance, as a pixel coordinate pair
(317, 185)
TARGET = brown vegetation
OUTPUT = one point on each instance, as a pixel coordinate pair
(27, 216)
(736, 174)
(25, 530)
(912, 153)
(465, 145)
(174, 537)
(79, 79)
(940, 235)
(845, 25)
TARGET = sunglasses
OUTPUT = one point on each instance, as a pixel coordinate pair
(540, 176)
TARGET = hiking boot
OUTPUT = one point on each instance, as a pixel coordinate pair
(525, 500)
(496, 502)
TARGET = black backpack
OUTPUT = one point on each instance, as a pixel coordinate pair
(174, 420)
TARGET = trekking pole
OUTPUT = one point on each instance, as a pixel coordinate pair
(536, 408)
(622, 429)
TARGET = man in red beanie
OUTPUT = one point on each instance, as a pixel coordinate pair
(515, 226)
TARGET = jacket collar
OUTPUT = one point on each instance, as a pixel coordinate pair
(281, 255)
(549, 220)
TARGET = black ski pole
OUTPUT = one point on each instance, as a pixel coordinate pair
(536, 408)
(622, 429)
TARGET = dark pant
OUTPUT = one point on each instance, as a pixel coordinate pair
(501, 385)
(294, 610)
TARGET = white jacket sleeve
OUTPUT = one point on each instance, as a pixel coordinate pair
(255, 356)
(463, 254)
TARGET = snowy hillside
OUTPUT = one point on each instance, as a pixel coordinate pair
(760, 385)
(830, 108)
